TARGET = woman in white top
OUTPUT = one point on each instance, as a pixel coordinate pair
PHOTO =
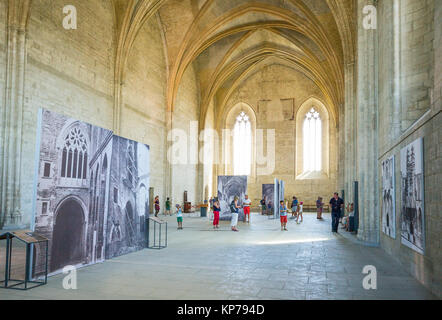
(235, 211)
(299, 212)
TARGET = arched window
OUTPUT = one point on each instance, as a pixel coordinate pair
(242, 145)
(312, 138)
(74, 155)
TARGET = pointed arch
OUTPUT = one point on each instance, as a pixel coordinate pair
(324, 143)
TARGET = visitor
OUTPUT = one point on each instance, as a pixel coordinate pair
(211, 200)
(216, 210)
(234, 209)
(299, 213)
(294, 207)
(179, 216)
(157, 205)
(269, 207)
(283, 215)
(349, 213)
(319, 207)
(167, 207)
(246, 206)
(263, 205)
(336, 204)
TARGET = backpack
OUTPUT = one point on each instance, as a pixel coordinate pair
(232, 207)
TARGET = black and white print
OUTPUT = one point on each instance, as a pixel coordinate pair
(228, 188)
(80, 177)
(412, 200)
(128, 202)
(268, 195)
(388, 198)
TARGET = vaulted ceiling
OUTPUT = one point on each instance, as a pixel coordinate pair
(230, 39)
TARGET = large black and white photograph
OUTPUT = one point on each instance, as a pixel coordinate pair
(268, 196)
(128, 197)
(73, 174)
(388, 198)
(91, 192)
(228, 188)
(412, 201)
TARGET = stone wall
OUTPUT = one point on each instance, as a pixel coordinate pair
(67, 71)
(2, 51)
(269, 92)
(409, 108)
(185, 176)
(144, 113)
(71, 72)
(416, 58)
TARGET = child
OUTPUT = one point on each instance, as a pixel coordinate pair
(283, 215)
(179, 216)
(167, 207)
(319, 206)
(294, 207)
(216, 210)
(299, 211)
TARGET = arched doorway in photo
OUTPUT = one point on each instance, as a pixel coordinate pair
(67, 239)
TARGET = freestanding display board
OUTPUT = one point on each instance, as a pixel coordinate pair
(92, 191)
(228, 188)
(268, 194)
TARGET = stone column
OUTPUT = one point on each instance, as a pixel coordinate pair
(350, 133)
(367, 128)
(167, 164)
(11, 116)
(437, 91)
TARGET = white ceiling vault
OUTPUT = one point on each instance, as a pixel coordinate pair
(229, 40)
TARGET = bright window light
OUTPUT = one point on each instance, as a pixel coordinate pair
(312, 137)
(242, 145)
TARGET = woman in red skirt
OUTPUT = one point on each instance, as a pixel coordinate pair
(216, 210)
(157, 205)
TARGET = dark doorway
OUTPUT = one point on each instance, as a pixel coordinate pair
(130, 228)
(67, 237)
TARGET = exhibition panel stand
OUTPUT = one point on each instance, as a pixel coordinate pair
(30, 240)
(159, 235)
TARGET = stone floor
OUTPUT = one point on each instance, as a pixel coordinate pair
(259, 262)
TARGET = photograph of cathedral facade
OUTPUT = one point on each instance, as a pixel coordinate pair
(91, 192)
(71, 189)
(412, 200)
